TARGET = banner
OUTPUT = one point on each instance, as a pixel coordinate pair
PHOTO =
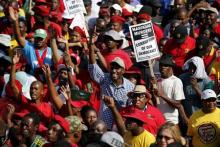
(144, 41)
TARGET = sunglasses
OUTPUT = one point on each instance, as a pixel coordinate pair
(138, 95)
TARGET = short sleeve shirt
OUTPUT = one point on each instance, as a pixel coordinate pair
(172, 87)
(29, 53)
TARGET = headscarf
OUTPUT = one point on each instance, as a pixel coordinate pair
(200, 72)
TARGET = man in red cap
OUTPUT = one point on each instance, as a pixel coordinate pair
(42, 13)
(132, 130)
(117, 25)
(180, 47)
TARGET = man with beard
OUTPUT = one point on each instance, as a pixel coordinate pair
(29, 127)
(112, 84)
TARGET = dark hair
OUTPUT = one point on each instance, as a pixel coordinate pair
(36, 118)
(86, 109)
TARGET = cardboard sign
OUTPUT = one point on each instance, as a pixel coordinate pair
(74, 6)
(144, 41)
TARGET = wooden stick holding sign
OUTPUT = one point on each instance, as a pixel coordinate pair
(154, 84)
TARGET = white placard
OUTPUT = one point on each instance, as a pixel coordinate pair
(144, 41)
(74, 6)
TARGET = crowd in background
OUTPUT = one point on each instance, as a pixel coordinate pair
(82, 87)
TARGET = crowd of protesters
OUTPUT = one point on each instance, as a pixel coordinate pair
(66, 86)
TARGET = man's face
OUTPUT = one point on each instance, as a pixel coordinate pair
(114, 12)
(39, 42)
(192, 68)
(179, 4)
(36, 91)
(55, 4)
(91, 117)
(22, 27)
(116, 72)
(75, 36)
(139, 100)
(130, 124)
(28, 127)
(54, 132)
(116, 26)
(182, 16)
(165, 70)
(110, 43)
(211, 18)
(209, 104)
(63, 75)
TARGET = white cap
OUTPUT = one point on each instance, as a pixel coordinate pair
(212, 9)
(117, 7)
(119, 61)
(208, 93)
(5, 40)
(113, 139)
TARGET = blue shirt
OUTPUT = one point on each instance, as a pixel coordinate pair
(119, 93)
(30, 55)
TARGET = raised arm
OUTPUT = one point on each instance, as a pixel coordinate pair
(53, 44)
(12, 79)
(109, 101)
(14, 17)
(53, 92)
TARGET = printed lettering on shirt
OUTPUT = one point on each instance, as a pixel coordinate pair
(207, 133)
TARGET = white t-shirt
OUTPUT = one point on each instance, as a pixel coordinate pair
(172, 87)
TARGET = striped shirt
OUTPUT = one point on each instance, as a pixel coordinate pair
(119, 93)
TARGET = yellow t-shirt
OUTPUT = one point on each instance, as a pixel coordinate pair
(145, 139)
(205, 128)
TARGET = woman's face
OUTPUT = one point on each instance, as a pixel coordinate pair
(165, 138)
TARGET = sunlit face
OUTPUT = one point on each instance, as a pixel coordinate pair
(36, 91)
(91, 117)
(139, 100)
(116, 72)
(164, 138)
(209, 105)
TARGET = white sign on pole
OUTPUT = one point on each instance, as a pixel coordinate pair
(74, 6)
(79, 20)
(144, 41)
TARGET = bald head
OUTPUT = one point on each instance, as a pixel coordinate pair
(99, 126)
(36, 90)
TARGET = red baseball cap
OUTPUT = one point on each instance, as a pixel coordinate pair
(42, 10)
(136, 114)
(144, 16)
(62, 122)
(80, 31)
(118, 19)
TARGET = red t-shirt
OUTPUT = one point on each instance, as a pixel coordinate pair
(118, 53)
(158, 32)
(180, 51)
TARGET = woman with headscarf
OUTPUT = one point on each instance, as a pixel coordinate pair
(195, 80)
